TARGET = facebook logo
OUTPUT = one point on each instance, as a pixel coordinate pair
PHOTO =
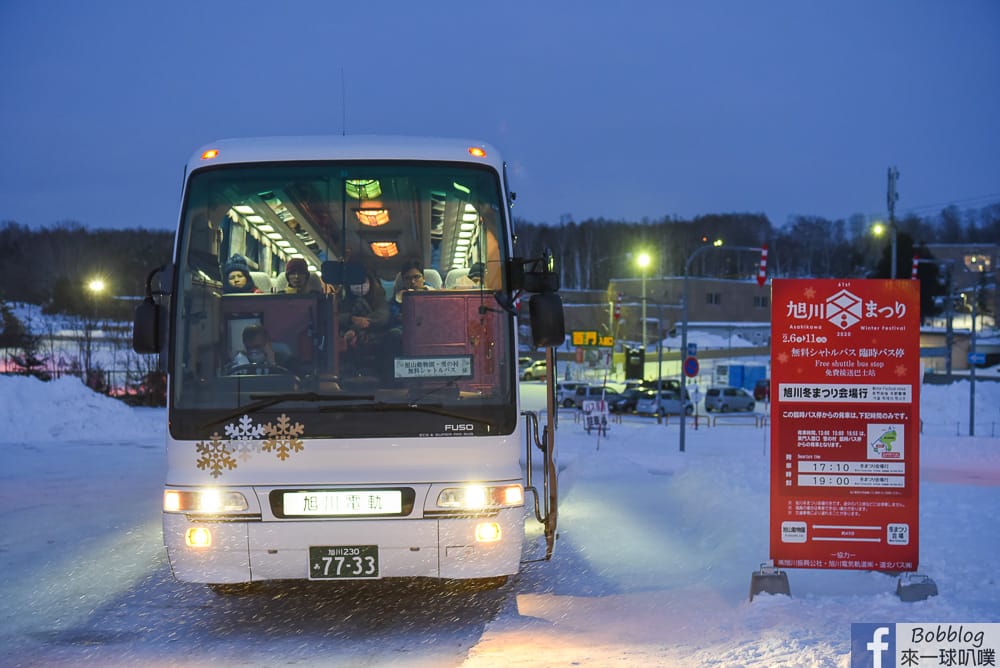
(873, 645)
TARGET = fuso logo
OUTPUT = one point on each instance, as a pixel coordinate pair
(459, 427)
(844, 309)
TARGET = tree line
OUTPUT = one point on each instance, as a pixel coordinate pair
(52, 266)
(590, 253)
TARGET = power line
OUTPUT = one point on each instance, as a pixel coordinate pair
(923, 209)
(942, 205)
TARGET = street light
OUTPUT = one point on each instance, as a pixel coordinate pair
(95, 287)
(716, 245)
(879, 229)
(643, 261)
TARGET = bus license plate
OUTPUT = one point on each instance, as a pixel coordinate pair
(343, 562)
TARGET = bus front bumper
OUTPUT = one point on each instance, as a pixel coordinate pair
(234, 552)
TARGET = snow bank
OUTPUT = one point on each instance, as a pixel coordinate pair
(64, 409)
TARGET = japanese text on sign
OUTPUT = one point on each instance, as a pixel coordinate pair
(434, 367)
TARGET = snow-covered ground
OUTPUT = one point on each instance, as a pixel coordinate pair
(652, 567)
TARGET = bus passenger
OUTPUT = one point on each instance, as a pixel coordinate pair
(364, 316)
(297, 276)
(411, 277)
(474, 279)
(236, 277)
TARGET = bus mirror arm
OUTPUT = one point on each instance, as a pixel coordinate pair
(532, 275)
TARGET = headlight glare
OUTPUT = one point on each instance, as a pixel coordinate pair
(481, 497)
(207, 500)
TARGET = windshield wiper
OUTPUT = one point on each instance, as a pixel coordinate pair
(267, 400)
(434, 409)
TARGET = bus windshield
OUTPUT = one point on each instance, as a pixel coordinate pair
(354, 298)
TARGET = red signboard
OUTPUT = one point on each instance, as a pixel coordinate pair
(845, 378)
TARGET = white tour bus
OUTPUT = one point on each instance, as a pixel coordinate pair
(329, 418)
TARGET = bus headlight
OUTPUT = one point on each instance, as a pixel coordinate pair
(207, 500)
(481, 497)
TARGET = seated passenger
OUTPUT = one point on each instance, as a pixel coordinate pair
(411, 277)
(298, 278)
(474, 279)
(236, 277)
(363, 318)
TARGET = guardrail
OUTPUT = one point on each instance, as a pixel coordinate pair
(740, 419)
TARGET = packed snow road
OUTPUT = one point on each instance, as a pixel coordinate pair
(652, 566)
(92, 585)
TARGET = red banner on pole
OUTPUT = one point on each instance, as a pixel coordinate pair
(762, 270)
(845, 366)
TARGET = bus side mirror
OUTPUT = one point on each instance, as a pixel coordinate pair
(548, 327)
(146, 327)
(150, 317)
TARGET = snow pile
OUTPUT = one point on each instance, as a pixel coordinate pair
(64, 409)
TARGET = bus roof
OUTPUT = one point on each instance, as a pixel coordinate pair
(343, 147)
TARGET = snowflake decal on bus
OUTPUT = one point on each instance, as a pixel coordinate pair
(244, 438)
(215, 455)
(283, 437)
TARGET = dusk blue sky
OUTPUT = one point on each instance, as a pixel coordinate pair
(625, 110)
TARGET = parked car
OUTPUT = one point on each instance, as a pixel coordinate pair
(725, 399)
(662, 384)
(664, 402)
(524, 362)
(592, 393)
(534, 371)
(762, 390)
(566, 392)
(625, 402)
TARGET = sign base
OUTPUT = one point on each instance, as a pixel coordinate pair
(915, 587)
(769, 580)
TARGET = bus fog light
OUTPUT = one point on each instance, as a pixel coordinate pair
(488, 532)
(198, 537)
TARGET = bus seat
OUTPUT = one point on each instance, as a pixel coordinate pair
(453, 277)
(432, 278)
(262, 281)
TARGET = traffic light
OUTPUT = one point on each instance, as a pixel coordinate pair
(635, 362)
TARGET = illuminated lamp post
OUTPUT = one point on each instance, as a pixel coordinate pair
(643, 260)
(879, 229)
(95, 288)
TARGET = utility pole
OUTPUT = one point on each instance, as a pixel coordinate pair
(890, 197)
